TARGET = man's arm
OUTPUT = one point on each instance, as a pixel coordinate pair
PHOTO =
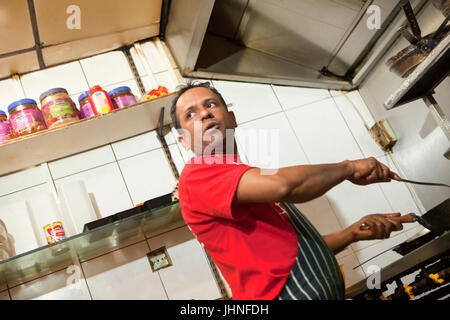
(379, 227)
(302, 183)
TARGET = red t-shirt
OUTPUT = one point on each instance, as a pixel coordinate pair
(254, 245)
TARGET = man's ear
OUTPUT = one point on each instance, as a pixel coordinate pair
(183, 141)
(233, 117)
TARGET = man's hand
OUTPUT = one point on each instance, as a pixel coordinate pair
(376, 226)
(369, 170)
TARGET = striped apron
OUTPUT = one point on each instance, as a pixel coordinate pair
(315, 274)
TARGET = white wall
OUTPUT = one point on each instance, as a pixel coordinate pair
(421, 143)
(315, 126)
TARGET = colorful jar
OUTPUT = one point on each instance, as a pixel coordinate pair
(122, 97)
(25, 117)
(100, 100)
(58, 108)
(85, 106)
(5, 130)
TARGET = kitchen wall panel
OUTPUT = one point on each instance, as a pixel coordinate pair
(68, 76)
(66, 284)
(81, 162)
(10, 90)
(190, 276)
(261, 150)
(292, 97)
(147, 176)
(351, 276)
(123, 274)
(107, 186)
(250, 101)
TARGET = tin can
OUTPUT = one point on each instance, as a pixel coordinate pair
(54, 232)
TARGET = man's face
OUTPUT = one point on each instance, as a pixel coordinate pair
(204, 120)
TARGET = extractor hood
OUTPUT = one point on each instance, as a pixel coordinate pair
(325, 44)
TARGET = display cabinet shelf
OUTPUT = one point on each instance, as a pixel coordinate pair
(83, 246)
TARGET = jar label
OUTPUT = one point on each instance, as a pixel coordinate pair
(101, 103)
(4, 131)
(59, 108)
(124, 101)
(86, 110)
(28, 119)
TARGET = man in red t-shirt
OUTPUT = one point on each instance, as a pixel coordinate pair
(244, 218)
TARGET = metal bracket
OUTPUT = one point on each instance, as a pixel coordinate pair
(437, 114)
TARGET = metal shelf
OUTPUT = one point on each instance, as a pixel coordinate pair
(101, 240)
(427, 76)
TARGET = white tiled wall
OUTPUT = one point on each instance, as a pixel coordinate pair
(190, 276)
(313, 126)
(123, 274)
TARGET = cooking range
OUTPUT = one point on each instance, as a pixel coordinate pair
(426, 255)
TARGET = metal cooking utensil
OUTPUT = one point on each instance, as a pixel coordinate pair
(425, 183)
(436, 220)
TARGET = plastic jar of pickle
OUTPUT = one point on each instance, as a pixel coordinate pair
(5, 130)
(122, 97)
(25, 117)
(58, 108)
(85, 106)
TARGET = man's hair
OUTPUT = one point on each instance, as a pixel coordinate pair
(185, 87)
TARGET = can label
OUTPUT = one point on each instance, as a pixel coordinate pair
(54, 232)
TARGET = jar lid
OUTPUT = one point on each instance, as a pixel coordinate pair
(119, 89)
(19, 102)
(2, 113)
(83, 95)
(51, 91)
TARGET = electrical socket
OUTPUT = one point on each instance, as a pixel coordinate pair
(159, 259)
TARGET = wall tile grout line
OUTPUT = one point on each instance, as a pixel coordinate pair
(85, 170)
(22, 189)
(141, 153)
(291, 126)
(348, 126)
(85, 278)
(128, 245)
(84, 74)
(37, 278)
(360, 148)
(121, 174)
